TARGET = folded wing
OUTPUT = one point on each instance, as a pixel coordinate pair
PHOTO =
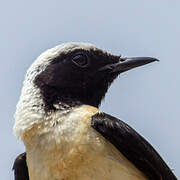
(133, 146)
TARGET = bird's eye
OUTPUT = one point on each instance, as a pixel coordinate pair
(81, 60)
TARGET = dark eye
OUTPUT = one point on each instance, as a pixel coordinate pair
(81, 60)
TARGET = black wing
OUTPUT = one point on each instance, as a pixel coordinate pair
(20, 168)
(133, 146)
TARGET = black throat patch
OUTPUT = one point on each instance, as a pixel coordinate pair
(64, 82)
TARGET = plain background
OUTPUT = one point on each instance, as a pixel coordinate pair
(147, 98)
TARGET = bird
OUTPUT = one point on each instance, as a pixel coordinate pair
(66, 135)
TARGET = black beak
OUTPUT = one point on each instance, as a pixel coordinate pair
(126, 64)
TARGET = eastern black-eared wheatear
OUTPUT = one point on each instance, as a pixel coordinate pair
(65, 134)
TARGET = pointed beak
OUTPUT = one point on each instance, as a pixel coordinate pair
(126, 64)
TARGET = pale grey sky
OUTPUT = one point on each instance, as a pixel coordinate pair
(147, 98)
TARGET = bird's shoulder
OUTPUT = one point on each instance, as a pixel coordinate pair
(133, 146)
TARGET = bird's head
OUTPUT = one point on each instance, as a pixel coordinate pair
(66, 76)
(78, 73)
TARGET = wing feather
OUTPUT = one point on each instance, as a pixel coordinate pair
(20, 168)
(133, 146)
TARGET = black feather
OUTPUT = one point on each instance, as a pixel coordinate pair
(20, 168)
(133, 146)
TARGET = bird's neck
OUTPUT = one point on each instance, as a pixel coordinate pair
(30, 110)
